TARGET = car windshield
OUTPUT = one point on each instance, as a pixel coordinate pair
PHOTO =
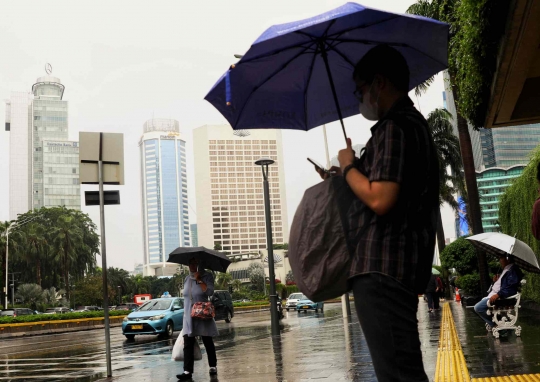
(156, 305)
(297, 296)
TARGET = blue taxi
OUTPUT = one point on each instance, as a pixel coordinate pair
(161, 316)
(306, 304)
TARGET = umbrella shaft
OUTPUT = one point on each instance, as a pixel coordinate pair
(332, 86)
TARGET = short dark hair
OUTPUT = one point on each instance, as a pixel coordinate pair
(538, 172)
(387, 62)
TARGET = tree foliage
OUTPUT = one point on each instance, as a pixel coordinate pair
(256, 276)
(515, 209)
(461, 255)
(31, 294)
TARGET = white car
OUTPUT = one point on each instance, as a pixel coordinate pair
(293, 300)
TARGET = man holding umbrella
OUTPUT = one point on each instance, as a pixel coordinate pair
(505, 286)
(397, 180)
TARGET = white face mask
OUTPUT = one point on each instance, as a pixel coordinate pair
(369, 111)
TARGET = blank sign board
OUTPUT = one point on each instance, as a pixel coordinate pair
(107, 147)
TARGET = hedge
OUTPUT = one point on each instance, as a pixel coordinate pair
(59, 316)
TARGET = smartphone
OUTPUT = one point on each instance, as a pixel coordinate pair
(319, 167)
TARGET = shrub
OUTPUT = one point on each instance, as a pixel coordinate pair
(470, 284)
(59, 317)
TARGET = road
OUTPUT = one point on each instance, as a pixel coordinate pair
(80, 356)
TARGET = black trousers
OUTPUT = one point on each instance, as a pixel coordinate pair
(387, 314)
(433, 300)
(189, 346)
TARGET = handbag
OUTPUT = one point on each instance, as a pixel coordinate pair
(202, 310)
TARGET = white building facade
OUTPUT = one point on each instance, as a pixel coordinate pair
(164, 195)
(230, 196)
(34, 119)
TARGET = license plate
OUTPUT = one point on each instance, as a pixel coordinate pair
(305, 307)
(135, 327)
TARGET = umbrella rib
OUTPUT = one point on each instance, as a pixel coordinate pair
(334, 48)
(390, 44)
(366, 25)
(266, 80)
(308, 82)
(300, 45)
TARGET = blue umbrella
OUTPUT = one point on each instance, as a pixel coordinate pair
(299, 75)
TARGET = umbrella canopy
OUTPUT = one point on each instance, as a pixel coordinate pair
(209, 258)
(499, 244)
(295, 74)
(435, 271)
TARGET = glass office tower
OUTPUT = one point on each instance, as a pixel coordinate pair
(165, 195)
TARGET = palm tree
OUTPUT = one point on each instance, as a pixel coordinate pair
(35, 244)
(444, 10)
(67, 239)
(53, 297)
(447, 146)
(31, 294)
(237, 284)
(224, 279)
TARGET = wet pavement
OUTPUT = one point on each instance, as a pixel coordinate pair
(313, 346)
(487, 356)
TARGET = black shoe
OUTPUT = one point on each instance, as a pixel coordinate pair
(213, 371)
(184, 377)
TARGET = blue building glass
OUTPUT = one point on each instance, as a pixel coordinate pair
(165, 203)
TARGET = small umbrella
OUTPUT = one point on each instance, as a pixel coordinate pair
(299, 75)
(435, 271)
(498, 244)
(209, 258)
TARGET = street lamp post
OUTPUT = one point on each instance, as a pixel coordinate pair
(119, 295)
(264, 163)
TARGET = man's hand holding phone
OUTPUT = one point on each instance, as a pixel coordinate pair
(324, 173)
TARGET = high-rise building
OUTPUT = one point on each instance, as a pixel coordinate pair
(194, 236)
(230, 197)
(18, 123)
(44, 165)
(492, 183)
(509, 146)
(164, 194)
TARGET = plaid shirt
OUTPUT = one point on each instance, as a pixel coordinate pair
(401, 243)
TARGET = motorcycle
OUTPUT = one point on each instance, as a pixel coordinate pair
(279, 307)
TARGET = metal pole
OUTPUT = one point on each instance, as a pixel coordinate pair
(326, 147)
(13, 290)
(273, 297)
(104, 264)
(7, 274)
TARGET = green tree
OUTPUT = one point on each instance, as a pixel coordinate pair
(89, 291)
(223, 280)
(31, 294)
(54, 297)
(237, 285)
(217, 247)
(447, 146)
(515, 209)
(15, 237)
(67, 238)
(257, 276)
(451, 11)
(36, 242)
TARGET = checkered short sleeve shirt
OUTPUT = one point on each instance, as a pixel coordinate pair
(401, 243)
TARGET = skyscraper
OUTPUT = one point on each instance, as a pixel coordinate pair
(164, 194)
(44, 166)
(194, 237)
(509, 146)
(230, 198)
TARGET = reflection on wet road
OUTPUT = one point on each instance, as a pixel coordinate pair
(312, 345)
(80, 356)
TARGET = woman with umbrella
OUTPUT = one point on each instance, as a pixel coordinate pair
(198, 286)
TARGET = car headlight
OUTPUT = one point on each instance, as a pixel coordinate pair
(126, 319)
(158, 317)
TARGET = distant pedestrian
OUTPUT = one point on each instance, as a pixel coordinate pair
(397, 179)
(535, 220)
(432, 294)
(198, 286)
(440, 289)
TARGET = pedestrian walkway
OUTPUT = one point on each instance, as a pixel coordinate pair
(510, 358)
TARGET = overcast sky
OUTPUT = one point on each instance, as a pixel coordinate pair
(124, 62)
